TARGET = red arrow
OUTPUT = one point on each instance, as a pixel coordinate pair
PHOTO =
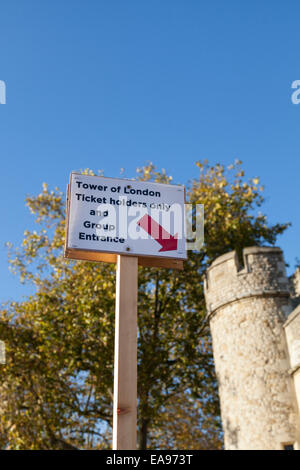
(164, 238)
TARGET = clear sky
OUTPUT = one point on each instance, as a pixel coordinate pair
(107, 84)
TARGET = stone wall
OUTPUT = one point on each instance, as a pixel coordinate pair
(247, 307)
(292, 331)
(294, 282)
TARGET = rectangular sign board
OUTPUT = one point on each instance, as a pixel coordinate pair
(120, 216)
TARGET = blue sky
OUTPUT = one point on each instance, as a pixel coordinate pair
(116, 83)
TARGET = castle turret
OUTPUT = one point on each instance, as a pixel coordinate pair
(247, 307)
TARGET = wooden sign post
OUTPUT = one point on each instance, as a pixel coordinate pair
(99, 213)
(2, 352)
(125, 372)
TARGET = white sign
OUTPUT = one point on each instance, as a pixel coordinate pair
(126, 217)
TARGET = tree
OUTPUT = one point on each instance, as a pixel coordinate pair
(186, 423)
(57, 383)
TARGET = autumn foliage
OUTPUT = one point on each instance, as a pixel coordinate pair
(56, 388)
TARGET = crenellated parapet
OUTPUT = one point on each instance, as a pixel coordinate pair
(263, 274)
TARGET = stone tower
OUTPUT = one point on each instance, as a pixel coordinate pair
(247, 308)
